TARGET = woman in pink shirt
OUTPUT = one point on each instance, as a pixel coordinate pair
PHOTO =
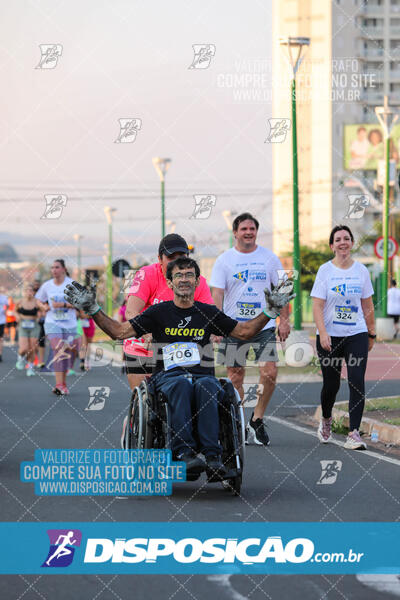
(150, 287)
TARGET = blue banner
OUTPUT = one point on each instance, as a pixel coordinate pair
(193, 548)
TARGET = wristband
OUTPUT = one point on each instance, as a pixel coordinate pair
(372, 336)
(96, 311)
(65, 305)
(269, 316)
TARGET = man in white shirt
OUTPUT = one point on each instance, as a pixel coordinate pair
(238, 279)
(393, 305)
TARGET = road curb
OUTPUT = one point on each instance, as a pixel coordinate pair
(390, 434)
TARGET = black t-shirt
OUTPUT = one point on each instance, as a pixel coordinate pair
(181, 336)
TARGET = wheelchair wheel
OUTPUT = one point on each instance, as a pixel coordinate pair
(232, 437)
(138, 432)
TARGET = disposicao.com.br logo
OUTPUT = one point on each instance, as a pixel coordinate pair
(191, 550)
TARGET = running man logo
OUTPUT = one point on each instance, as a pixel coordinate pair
(54, 206)
(330, 471)
(278, 130)
(184, 322)
(340, 289)
(128, 130)
(97, 397)
(50, 54)
(357, 205)
(203, 205)
(242, 276)
(252, 391)
(203, 54)
(62, 547)
(284, 274)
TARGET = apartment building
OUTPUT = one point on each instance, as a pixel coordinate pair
(351, 63)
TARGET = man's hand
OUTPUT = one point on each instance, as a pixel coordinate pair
(283, 329)
(82, 298)
(278, 297)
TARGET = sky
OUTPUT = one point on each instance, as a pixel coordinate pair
(122, 59)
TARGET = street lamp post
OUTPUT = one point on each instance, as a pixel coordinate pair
(387, 118)
(295, 44)
(77, 238)
(161, 165)
(228, 214)
(109, 216)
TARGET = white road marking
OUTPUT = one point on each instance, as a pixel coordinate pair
(224, 582)
(381, 583)
(393, 461)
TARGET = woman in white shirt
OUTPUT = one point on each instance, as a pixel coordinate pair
(344, 315)
(60, 323)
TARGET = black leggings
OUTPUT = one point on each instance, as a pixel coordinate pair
(354, 350)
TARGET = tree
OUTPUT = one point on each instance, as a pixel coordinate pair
(311, 258)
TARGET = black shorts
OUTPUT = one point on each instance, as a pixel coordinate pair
(1, 330)
(11, 324)
(233, 352)
(395, 318)
(138, 365)
(42, 335)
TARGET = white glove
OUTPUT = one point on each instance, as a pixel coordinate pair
(82, 298)
(278, 297)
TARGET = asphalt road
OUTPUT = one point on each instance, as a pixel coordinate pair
(280, 484)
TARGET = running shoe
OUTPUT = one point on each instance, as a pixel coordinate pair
(256, 432)
(71, 372)
(354, 441)
(20, 364)
(61, 390)
(30, 372)
(324, 430)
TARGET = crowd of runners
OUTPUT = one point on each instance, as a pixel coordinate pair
(342, 304)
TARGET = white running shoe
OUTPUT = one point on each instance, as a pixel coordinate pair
(354, 441)
(20, 364)
(324, 430)
(30, 372)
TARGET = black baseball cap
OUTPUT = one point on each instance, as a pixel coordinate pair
(172, 243)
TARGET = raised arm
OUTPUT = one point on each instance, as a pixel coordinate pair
(85, 299)
(276, 299)
(113, 328)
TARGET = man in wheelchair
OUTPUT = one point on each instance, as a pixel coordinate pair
(183, 355)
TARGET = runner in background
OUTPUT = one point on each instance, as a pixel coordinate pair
(60, 323)
(88, 329)
(393, 306)
(28, 312)
(3, 306)
(11, 320)
(150, 287)
(344, 316)
(238, 280)
(41, 348)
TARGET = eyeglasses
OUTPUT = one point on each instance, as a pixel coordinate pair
(180, 276)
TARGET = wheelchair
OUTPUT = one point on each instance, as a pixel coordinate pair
(147, 425)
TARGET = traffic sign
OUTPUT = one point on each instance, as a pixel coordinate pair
(392, 250)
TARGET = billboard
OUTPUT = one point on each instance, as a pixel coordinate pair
(363, 146)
